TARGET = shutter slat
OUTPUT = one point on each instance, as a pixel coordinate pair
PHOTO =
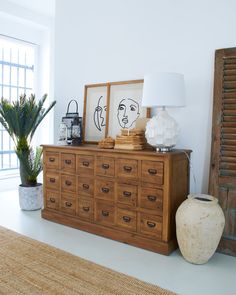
(228, 159)
(229, 154)
(229, 85)
(229, 72)
(229, 142)
(228, 130)
(229, 112)
(228, 173)
(228, 136)
(225, 147)
(230, 90)
(229, 119)
(229, 106)
(227, 181)
(228, 124)
(229, 97)
(230, 60)
(230, 67)
(228, 166)
(229, 78)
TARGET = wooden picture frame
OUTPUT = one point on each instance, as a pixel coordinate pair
(95, 112)
(125, 106)
(106, 106)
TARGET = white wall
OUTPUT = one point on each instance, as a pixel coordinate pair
(24, 24)
(100, 41)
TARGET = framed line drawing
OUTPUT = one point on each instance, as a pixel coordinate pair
(110, 107)
(95, 112)
(125, 106)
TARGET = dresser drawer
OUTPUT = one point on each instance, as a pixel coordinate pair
(68, 162)
(52, 160)
(68, 204)
(85, 165)
(104, 213)
(151, 198)
(85, 209)
(105, 166)
(53, 181)
(68, 183)
(127, 194)
(127, 168)
(126, 219)
(85, 186)
(52, 199)
(104, 190)
(150, 225)
(152, 172)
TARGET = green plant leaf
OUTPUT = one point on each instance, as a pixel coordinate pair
(21, 118)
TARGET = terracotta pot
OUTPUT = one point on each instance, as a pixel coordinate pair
(199, 225)
(31, 197)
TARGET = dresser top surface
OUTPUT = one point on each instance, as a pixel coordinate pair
(95, 148)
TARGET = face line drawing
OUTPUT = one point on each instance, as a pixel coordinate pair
(99, 116)
(127, 112)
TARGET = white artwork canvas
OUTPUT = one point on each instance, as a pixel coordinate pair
(125, 107)
(95, 115)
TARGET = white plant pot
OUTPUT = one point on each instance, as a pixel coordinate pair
(199, 225)
(31, 197)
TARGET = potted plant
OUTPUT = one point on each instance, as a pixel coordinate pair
(21, 118)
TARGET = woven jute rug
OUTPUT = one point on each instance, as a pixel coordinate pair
(31, 267)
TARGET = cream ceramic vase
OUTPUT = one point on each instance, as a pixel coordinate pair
(199, 225)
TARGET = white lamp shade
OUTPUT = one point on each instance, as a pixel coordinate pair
(163, 90)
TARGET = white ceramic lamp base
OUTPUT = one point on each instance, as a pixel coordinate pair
(162, 131)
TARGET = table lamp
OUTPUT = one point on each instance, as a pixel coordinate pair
(163, 90)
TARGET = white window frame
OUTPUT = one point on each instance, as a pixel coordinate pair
(36, 29)
(20, 89)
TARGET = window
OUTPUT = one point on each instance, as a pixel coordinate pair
(17, 63)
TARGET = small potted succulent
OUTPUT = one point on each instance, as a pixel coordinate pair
(21, 118)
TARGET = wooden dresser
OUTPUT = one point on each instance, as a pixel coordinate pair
(128, 196)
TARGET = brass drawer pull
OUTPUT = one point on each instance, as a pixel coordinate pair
(85, 186)
(126, 194)
(51, 159)
(68, 162)
(152, 171)
(85, 163)
(52, 200)
(126, 219)
(68, 204)
(86, 209)
(68, 182)
(127, 168)
(151, 224)
(105, 166)
(105, 213)
(105, 190)
(53, 180)
(152, 198)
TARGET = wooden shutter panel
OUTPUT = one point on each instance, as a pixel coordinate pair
(222, 182)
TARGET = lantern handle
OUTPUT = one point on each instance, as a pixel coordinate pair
(76, 103)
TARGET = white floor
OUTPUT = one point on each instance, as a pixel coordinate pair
(172, 272)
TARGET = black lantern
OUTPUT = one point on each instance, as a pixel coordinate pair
(74, 125)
